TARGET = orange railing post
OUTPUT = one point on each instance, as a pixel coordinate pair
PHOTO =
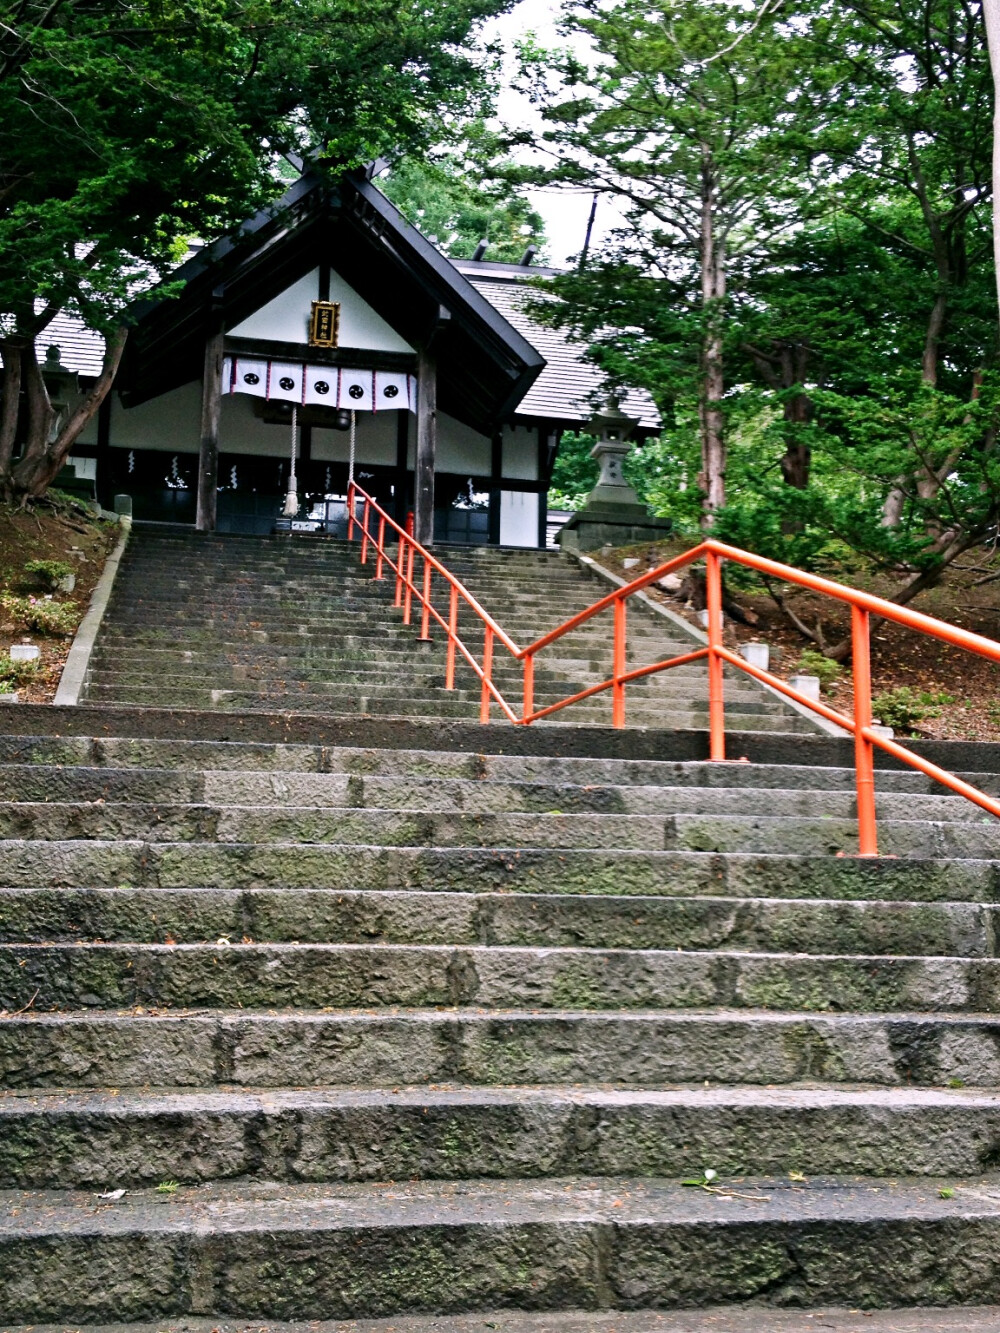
(528, 707)
(618, 666)
(350, 511)
(484, 698)
(400, 570)
(380, 550)
(449, 661)
(425, 619)
(411, 555)
(716, 705)
(365, 514)
(864, 751)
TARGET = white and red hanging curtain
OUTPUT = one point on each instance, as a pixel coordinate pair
(326, 386)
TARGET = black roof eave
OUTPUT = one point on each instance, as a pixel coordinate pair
(169, 331)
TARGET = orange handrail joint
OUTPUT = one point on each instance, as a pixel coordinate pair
(863, 606)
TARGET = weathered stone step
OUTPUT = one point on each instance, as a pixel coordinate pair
(413, 826)
(261, 764)
(25, 787)
(806, 926)
(393, 1047)
(440, 705)
(747, 1317)
(385, 683)
(367, 1249)
(137, 863)
(348, 976)
(72, 1140)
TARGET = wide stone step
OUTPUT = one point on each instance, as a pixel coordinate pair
(187, 916)
(367, 1249)
(138, 863)
(190, 976)
(72, 1140)
(412, 826)
(745, 1317)
(640, 712)
(26, 786)
(384, 683)
(371, 1049)
(48, 759)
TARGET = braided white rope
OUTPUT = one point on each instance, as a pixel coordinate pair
(292, 499)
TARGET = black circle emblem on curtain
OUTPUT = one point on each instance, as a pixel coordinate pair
(321, 386)
(286, 383)
(356, 391)
(390, 391)
(251, 378)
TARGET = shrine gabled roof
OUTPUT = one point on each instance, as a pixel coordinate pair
(485, 364)
(569, 386)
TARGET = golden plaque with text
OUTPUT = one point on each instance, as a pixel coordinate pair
(324, 324)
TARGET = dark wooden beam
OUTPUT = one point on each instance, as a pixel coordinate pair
(321, 356)
(496, 484)
(103, 451)
(401, 480)
(208, 453)
(423, 482)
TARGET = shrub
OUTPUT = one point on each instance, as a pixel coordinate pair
(50, 572)
(39, 613)
(903, 707)
(13, 674)
(812, 663)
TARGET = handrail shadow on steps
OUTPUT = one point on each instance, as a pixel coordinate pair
(863, 606)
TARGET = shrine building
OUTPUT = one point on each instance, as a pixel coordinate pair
(324, 324)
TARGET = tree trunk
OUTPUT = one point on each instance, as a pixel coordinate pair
(991, 14)
(10, 403)
(33, 473)
(712, 480)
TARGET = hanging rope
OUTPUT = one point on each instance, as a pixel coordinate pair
(350, 456)
(292, 499)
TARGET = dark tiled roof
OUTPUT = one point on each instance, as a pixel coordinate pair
(80, 349)
(568, 385)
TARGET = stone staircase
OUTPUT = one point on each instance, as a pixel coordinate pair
(441, 1023)
(249, 623)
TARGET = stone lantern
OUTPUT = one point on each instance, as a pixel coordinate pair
(613, 514)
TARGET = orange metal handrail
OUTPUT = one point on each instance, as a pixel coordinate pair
(863, 606)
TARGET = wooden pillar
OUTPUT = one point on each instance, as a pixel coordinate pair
(496, 482)
(401, 479)
(104, 487)
(423, 503)
(208, 454)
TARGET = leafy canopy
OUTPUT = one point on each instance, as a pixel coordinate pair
(127, 126)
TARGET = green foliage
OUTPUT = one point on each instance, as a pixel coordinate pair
(39, 613)
(903, 708)
(575, 473)
(846, 150)
(811, 663)
(14, 674)
(456, 210)
(131, 126)
(50, 572)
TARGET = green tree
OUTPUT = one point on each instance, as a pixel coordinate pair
(682, 116)
(447, 201)
(129, 125)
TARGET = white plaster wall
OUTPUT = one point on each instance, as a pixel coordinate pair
(286, 318)
(459, 449)
(376, 441)
(171, 422)
(86, 468)
(240, 432)
(518, 518)
(520, 453)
